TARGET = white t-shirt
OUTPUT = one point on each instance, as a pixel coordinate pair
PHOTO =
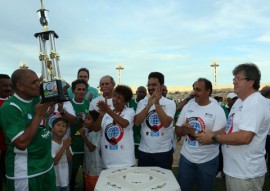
(61, 169)
(211, 117)
(92, 163)
(93, 104)
(154, 137)
(210, 98)
(117, 143)
(247, 161)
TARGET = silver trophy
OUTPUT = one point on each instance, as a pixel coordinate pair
(51, 86)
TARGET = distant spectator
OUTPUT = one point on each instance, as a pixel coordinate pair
(5, 93)
(140, 94)
(83, 74)
(231, 98)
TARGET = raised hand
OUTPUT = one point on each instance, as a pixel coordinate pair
(67, 142)
(103, 106)
(82, 131)
(43, 109)
(155, 97)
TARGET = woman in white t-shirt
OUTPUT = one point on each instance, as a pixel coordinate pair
(117, 143)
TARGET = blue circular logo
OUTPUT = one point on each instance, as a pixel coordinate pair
(50, 87)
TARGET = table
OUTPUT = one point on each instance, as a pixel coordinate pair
(137, 179)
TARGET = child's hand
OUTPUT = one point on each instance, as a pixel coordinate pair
(82, 131)
(67, 142)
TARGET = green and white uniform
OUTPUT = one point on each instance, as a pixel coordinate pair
(16, 114)
(81, 110)
(136, 129)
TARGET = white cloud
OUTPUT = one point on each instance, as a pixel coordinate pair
(264, 38)
(179, 38)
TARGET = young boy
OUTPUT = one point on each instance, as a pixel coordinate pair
(92, 164)
(61, 153)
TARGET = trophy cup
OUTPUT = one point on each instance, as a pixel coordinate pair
(51, 86)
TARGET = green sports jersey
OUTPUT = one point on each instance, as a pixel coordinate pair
(136, 129)
(81, 109)
(15, 116)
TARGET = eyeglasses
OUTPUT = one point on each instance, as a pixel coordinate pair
(237, 79)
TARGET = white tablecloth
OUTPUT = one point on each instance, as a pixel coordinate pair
(137, 179)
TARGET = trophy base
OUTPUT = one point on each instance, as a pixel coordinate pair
(52, 91)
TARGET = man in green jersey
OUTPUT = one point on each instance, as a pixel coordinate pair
(81, 108)
(29, 165)
(140, 94)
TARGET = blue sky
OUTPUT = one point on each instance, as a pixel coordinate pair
(180, 38)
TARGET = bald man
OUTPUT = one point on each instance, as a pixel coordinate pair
(29, 163)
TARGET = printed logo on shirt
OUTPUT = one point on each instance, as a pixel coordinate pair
(229, 125)
(190, 111)
(198, 125)
(240, 108)
(42, 123)
(113, 134)
(209, 115)
(45, 133)
(153, 122)
(29, 116)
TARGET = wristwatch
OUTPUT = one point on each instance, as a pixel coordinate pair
(214, 139)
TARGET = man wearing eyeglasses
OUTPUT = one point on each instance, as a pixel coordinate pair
(83, 74)
(244, 137)
(155, 115)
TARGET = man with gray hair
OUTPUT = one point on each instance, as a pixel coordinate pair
(106, 85)
(93, 163)
(245, 133)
